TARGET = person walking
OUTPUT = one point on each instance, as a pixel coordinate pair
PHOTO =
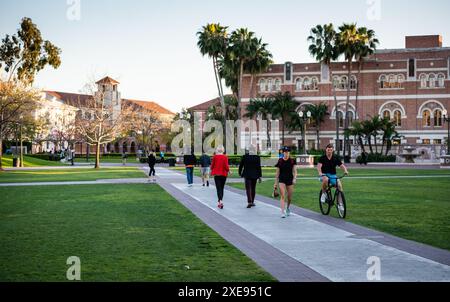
(205, 163)
(220, 169)
(151, 163)
(250, 170)
(124, 158)
(190, 161)
(286, 178)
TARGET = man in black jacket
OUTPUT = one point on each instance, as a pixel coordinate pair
(190, 161)
(250, 170)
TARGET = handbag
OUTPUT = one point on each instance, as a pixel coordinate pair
(275, 193)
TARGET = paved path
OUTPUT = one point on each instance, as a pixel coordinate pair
(307, 246)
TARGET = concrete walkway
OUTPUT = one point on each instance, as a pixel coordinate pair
(307, 246)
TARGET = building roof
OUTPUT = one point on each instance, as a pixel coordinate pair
(152, 106)
(107, 80)
(205, 106)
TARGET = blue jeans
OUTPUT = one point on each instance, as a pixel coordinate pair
(190, 175)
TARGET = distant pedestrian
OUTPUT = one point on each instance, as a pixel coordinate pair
(161, 154)
(205, 164)
(250, 170)
(151, 164)
(364, 158)
(190, 161)
(124, 158)
(220, 169)
(286, 178)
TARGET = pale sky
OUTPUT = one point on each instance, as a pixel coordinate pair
(150, 46)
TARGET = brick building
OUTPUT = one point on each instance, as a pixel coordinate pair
(410, 85)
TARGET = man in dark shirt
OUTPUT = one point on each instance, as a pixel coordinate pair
(205, 163)
(327, 171)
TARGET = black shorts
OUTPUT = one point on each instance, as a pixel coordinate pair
(287, 182)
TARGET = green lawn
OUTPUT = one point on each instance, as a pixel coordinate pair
(89, 174)
(7, 162)
(120, 233)
(415, 209)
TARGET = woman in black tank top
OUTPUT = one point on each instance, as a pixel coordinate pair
(286, 177)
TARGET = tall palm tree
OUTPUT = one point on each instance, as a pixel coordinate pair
(324, 49)
(357, 131)
(213, 42)
(283, 107)
(348, 41)
(389, 133)
(318, 114)
(243, 46)
(263, 108)
(367, 46)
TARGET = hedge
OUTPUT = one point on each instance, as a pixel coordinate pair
(377, 158)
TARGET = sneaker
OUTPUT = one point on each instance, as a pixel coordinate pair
(288, 212)
(253, 205)
(203, 184)
(323, 198)
(220, 206)
(341, 208)
(283, 214)
(249, 206)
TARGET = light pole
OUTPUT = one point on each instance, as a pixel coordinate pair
(447, 120)
(304, 117)
(21, 141)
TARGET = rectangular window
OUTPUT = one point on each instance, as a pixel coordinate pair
(412, 68)
(288, 72)
(437, 142)
(426, 142)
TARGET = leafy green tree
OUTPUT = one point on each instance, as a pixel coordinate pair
(318, 114)
(323, 48)
(213, 42)
(23, 55)
(263, 108)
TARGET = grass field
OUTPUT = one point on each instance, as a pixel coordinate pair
(7, 162)
(415, 209)
(120, 233)
(87, 174)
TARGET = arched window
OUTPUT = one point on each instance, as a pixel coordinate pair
(344, 82)
(426, 117)
(387, 114)
(432, 80)
(441, 80)
(353, 82)
(306, 84)
(392, 81)
(315, 83)
(336, 82)
(262, 85)
(398, 118)
(298, 84)
(438, 118)
(269, 85)
(351, 117)
(340, 116)
(423, 81)
(383, 81)
(278, 85)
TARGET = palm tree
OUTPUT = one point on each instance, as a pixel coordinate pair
(263, 108)
(243, 46)
(348, 41)
(283, 107)
(357, 130)
(318, 114)
(260, 62)
(213, 42)
(366, 47)
(216, 113)
(324, 49)
(389, 133)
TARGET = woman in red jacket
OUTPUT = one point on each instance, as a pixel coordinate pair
(220, 170)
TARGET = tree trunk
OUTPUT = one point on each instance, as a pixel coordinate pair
(369, 139)
(318, 137)
(218, 82)
(347, 105)
(336, 106)
(1, 151)
(97, 156)
(241, 72)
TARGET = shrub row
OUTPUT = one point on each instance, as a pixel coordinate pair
(377, 158)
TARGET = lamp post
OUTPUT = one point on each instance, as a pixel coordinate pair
(304, 117)
(447, 120)
(21, 141)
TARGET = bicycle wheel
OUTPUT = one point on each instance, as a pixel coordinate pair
(325, 207)
(341, 204)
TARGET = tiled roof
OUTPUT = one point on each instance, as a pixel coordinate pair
(205, 106)
(152, 106)
(107, 80)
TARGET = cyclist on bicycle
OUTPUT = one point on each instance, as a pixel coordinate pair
(327, 171)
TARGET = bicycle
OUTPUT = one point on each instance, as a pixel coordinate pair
(339, 196)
